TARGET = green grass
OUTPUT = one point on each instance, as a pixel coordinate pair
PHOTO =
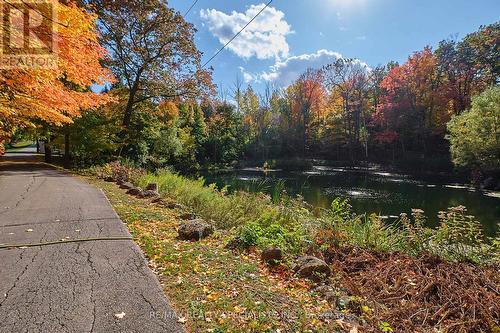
(263, 221)
(12, 147)
(212, 288)
(219, 290)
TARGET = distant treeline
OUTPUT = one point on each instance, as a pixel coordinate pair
(162, 110)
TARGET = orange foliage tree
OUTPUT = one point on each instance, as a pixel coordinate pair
(57, 94)
(412, 105)
(308, 102)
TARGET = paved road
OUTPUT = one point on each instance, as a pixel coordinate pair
(73, 287)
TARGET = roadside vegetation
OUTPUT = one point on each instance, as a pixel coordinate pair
(392, 271)
(292, 224)
(214, 289)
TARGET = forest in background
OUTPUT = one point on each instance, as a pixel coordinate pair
(160, 107)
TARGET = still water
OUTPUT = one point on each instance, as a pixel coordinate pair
(369, 190)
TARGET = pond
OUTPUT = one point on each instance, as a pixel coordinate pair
(369, 190)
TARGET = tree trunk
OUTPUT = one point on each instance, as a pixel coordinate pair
(48, 151)
(128, 110)
(67, 157)
(131, 98)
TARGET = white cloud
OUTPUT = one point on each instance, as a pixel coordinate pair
(264, 38)
(247, 76)
(284, 72)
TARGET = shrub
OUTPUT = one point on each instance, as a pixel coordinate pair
(290, 224)
(417, 236)
(123, 170)
(475, 134)
(460, 236)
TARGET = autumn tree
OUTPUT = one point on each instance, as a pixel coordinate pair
(306, 95)
(249, 107)
(347, 81)
(224, 142)
(469, 66)
(485, 45)
(412, 108)
(152, 51)
(56, 95)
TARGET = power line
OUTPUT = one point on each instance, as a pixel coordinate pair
(239, 32)
(194, 4)
(39, 12)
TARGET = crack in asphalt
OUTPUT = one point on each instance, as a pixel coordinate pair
(23, 271)
(75, 287)
(87, 255)
(20, 276)
(22, 196)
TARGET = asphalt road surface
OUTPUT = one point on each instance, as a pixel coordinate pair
(93, 286)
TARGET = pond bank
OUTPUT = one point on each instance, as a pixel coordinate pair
(361, 254)
(371, 190)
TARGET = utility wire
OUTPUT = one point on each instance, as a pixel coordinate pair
(194, 4)
(39, 12)
(23, 246)
(239, 32)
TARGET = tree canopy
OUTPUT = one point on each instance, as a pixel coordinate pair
(475, 134)
(58, 94)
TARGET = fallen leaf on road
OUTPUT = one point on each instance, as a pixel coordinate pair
(120, 315)
(182, 320)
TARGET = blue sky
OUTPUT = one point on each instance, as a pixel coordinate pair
(292, 35)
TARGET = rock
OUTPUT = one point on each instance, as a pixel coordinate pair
(312, 268)
(488, 184)
(343, 302)
(195, 230)
(136, 191)
(152, 187)
(149, 194)
(126, 185)
(187, 216)
(272, 255)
